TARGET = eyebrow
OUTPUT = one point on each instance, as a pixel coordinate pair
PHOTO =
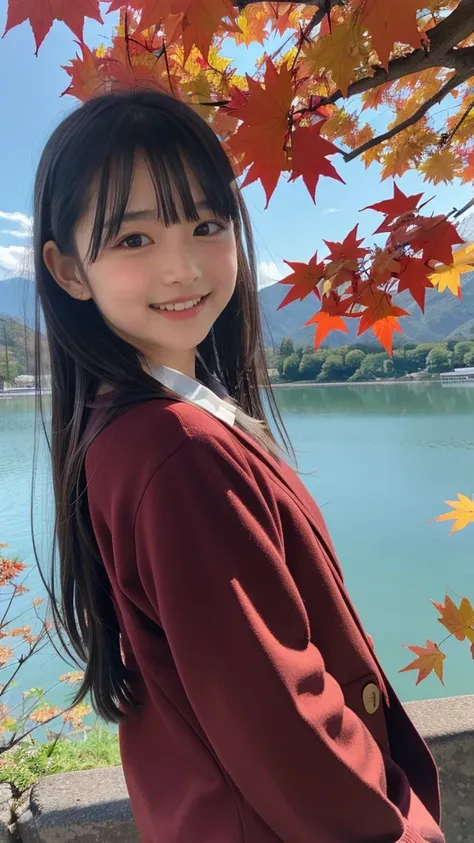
(150, 214)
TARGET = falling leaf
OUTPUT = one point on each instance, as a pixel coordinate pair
(328, 319)
(459, 621)
(338, 52)
(262, 136)
(441, 166)
(380, 315)
(397, 206)
(429, 658)
(462, 513)
(388, 23)
(449, 277)
(42, 13)
(308, 151)
(415, 277)
(304, 280)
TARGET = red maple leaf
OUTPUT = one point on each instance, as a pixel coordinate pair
(395, 207)
(304, 278)
(414, 278)
(329, 318)
(348, 250)
(42, 13)
(201, 19)
(308, 156)
(380, 315)
(262, 136)
(435, 237)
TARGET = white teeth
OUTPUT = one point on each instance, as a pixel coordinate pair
(184, 305)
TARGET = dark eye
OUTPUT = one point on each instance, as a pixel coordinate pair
(207, 229)
(135, 241)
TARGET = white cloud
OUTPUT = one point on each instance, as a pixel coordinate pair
(329, 211)
(15, 260)
(268, 273)
(25, 224)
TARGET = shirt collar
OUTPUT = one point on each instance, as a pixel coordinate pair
(196, 392)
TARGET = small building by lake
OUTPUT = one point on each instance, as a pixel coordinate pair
(458, 376)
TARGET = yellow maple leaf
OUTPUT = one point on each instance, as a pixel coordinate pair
(428, 658)
(448, 276)
(462, 513)
(459, 621)
(337, 52)
(441, 166)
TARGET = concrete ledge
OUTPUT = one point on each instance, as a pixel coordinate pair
(94, 805)
(91, 805)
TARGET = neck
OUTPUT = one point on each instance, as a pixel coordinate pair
(184, 361)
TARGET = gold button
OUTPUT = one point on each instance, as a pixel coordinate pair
(371, 698)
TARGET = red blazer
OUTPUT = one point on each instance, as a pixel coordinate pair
(266, 716)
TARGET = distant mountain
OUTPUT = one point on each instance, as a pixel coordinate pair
(17, 299)
(445, 317)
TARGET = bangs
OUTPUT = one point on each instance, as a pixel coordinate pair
(174, 153)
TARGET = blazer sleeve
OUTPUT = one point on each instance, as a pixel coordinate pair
(211, 557)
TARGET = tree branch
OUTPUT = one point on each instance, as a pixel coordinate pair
(442, 53)
(447, 138)
(462, 210)
(452, 83)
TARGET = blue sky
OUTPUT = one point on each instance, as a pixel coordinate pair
(292, 227)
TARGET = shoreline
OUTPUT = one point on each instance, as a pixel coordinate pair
(321, 385)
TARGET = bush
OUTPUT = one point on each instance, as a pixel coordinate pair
(439, 360)
(291, 368)
(310, 366)
(333, 369)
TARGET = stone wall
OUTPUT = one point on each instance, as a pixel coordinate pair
(93, 806)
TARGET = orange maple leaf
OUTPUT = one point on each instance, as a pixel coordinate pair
(304, 280)
(390, 22)
(380, 315)
(308, 151)
(414, 277)
(201, 19)
(85, 73)
(429, 658)
(468, 168)
(459, 621)
(262, 136)
(328, 318)
(462, 513)
(42, 13)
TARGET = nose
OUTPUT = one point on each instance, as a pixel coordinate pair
(178, 265)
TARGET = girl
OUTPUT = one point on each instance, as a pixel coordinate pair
(198, 583)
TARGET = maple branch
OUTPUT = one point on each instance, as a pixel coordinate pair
(453, 29)
(447, 138)
(465, 207)
(452, 83)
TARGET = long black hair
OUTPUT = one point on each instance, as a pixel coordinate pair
(94, 149)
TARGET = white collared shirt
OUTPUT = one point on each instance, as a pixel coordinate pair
(195, 392)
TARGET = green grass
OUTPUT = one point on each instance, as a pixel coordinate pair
(30, 761)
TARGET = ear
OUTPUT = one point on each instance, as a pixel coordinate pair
(65, 272)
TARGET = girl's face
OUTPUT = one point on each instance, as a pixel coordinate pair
(161, 289)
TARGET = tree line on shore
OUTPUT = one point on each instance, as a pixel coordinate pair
(363, 363)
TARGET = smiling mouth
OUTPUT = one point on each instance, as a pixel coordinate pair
(178, 306)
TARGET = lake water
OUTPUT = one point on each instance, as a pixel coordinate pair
(380, 460)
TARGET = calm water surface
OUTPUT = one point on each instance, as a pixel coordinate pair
(380, 461)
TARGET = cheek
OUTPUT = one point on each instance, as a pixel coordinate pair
(115, 282)
(222, 268)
